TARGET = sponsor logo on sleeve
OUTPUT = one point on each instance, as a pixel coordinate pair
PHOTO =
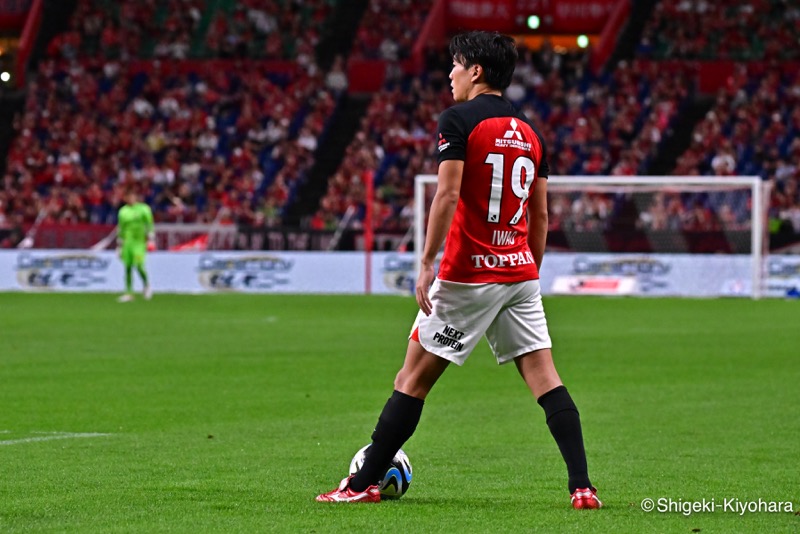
(443, 143)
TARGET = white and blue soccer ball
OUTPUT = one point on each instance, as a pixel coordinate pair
(397, 478)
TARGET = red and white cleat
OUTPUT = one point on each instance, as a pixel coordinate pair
(586, 499)
(344, 494)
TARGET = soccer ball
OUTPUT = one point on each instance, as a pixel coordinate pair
(397, 478)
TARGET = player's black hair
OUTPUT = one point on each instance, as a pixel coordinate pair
(496, 53)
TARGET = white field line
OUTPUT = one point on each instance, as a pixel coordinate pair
(54, 435)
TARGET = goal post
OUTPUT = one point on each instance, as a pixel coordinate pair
(686, 220)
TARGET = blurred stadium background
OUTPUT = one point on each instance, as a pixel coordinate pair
(254, 129)
(264, 124)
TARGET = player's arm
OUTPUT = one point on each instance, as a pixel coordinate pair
(443, 208)
(537, 220)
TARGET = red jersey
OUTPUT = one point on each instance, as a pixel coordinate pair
(503, 156)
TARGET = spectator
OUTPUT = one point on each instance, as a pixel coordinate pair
(93, 129)
(336, 79)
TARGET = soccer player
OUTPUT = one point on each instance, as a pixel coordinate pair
(491, 205)
(135, 236)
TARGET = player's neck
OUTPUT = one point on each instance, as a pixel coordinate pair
(482, 89)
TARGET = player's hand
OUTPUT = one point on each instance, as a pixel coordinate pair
(424, 282)
(119, 252)
(151, 245)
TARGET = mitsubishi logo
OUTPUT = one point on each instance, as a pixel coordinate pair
(513, 131)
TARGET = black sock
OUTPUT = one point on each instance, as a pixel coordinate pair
(396, 424)
(565, 426)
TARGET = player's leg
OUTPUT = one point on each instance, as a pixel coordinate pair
(460, 318)
(126, 255)
(401, 413)
(563, 420)
(396, 424)
(147, 292)
(520, 333)
(128, 278)
(421, 369)
(461, 315)
(538, 371)
(561, 414)
(139, 262)
(142, 273)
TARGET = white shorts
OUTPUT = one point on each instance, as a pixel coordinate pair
(510, 315)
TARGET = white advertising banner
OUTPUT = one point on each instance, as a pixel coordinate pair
(257, 272)
(783, 274)
(391, 273)
(689, 275)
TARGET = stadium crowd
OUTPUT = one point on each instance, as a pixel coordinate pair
(395, 144)
(125, 29)
(753, 128)
(192, 139)
(738, 30)
(268, 29)
(389, 29)
(611, 124)
(191, 142)
(181, 29)
(614, 124)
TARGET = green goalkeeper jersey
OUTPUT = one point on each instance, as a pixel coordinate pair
(135, 222)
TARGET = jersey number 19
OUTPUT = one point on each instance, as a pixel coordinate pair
(518, 186)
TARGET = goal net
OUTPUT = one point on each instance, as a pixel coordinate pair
(645, 235)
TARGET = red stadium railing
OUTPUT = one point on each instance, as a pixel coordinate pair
(608, 37)
(29, 33)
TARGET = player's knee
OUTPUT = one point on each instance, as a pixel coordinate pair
(400, 379)
(412, 384)
(402, 382)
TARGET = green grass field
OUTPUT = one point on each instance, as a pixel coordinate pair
(229, 413)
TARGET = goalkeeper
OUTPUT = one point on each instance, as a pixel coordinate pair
(135, 237)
